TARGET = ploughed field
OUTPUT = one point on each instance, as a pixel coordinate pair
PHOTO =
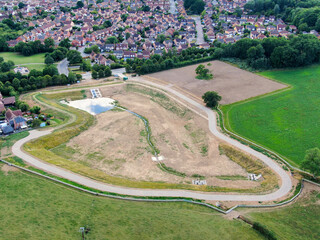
(286, 122)
(232, 83)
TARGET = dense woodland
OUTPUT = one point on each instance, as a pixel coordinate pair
(256, 54)
(194, 6)
(304, 14)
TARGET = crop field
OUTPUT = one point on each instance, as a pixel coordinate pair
(286, 122)
(232, 83)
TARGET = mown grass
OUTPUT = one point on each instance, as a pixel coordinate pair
(7, 142)
(20, 59)
(270, 180)
(38, 67)
(34, 208)
(298, 221)
(286, 122)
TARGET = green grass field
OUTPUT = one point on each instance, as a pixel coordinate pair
(35, 208)
(286, 122)
(20, 59)
(38, 67)
(298, 221)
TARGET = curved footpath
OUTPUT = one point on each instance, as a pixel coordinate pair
(285, 188)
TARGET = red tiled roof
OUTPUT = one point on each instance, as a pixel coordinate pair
(9, 100)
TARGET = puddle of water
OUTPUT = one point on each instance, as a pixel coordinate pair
(96, 109)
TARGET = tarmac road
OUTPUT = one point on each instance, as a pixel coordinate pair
(63, 67)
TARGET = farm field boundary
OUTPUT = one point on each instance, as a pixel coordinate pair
(282, 121)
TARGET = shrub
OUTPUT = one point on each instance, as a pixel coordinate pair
(264, 231)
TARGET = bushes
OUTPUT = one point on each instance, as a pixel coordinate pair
(264, 231)
(100, 71)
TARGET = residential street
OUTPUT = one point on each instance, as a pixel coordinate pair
(173, 9)
(200, 38)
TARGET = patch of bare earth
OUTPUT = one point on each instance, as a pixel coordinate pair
(117, 145)
(232, 83)
(6, 168)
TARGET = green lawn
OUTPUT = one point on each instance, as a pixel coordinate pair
(35, 208)
(286, 122)
(20, 59)
(299, 221)
(38, 67)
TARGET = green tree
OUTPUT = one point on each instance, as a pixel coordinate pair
(48, 60)
(311, 161)
(112, 40)
(94, 74)
(74, 56)
(161, 38)
(16, 83)
(3, 45)
(65, 43)
(101, 73)
(107, 24)
(80, 4)
(211, 99)
(36, 123)
(72, 77)
(203, 73)
(21, 5)
(107, 72)
(48, 43)
(5, 67)
(35, 109)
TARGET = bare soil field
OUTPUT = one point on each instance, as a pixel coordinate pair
(232, 83)
(117, 144)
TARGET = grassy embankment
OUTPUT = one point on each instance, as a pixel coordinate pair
(298, 221)
(31, 62)
(7, 142)
(34, 208)
(285, 122)
(43, 149)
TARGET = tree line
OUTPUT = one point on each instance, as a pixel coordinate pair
(194, 6)
(257, 54)
(304, 14)
(12, 84)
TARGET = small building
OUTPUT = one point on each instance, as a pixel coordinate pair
(7, 130)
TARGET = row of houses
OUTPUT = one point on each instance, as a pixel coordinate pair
(13, 119)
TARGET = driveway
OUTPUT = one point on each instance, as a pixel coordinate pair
(284, 189)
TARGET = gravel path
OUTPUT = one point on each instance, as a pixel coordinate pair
(282, 191)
